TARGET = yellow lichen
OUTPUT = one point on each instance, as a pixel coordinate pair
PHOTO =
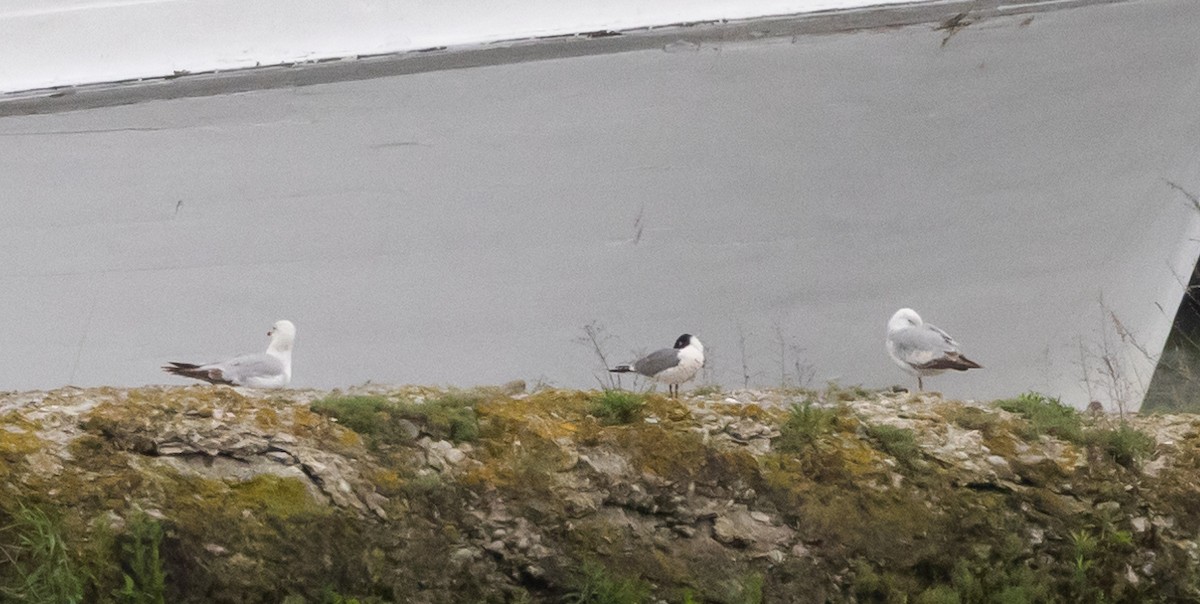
(266, 418)
(16, 442)
(15, 446)
(274, 496)
(549, 414)
(872, 528)
(307, 424)
(667, 453)
(387, 482)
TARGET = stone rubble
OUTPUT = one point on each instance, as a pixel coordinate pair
(235, 436)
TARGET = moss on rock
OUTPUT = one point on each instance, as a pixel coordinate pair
(417, 494)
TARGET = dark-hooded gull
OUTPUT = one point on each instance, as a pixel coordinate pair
(671, 366)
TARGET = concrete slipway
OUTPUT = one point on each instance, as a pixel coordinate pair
(778, 187)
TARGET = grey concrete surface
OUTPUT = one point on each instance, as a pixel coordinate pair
(184, 85)
(777, 195)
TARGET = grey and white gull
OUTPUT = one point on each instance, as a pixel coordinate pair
(922, 349)
(670, 366)
(270, 369)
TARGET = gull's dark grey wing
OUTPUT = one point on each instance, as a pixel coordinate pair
(920, 345)
(927, 347)
(656, 362)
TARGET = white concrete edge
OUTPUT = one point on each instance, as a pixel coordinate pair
(54, 43)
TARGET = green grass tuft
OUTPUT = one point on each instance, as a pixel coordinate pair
(144, 578)
(1125, 444)
(1045, 415)
(750, 590)
(900, 443)
(372, 416)
(804, 426)
(596, 585)
(939, 595)
(41, 570)
(331, 596)
(450, 416)
(617, 406)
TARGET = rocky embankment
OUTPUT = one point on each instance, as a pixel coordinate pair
(497, 495)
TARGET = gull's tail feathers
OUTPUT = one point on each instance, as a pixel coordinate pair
(953, 361)
(196, 372)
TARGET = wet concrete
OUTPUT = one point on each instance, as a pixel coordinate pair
(779, 195)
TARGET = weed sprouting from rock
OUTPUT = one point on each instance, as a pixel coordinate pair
(817, 514)
(939, 595)
(329, 595)
(1045, 415)
(617, 406)
(1083, 550)
(42, 571)
(388, 421)
(805, 425)
(370, 416)
(595, 585)
(451, 416)
(596, 337)
(144, 580)
(749, 590)
(1124, 444)
(897, 442)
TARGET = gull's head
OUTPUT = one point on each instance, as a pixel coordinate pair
(688, 339)
(904, 318)
(282, 334)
